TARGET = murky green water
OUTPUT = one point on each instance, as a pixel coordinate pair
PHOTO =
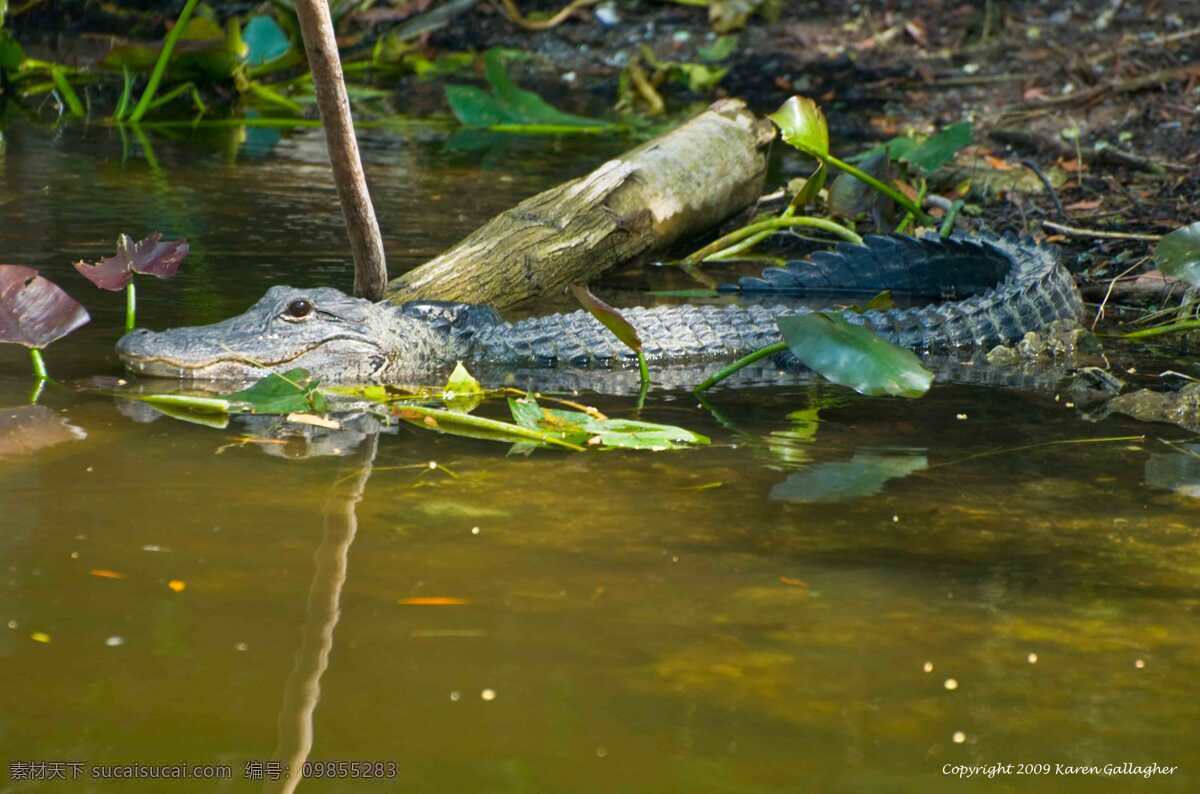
(593, 623)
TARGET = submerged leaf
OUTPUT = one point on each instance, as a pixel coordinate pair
(853, 356)
(149, 257)
(1178, 254)
(803, 125)
(609, 317)
(35, 311)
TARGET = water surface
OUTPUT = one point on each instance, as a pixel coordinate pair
(754, 616)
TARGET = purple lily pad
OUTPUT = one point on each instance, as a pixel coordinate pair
(35, 311)
(151, 257)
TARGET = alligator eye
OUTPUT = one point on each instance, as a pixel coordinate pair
(298, 309)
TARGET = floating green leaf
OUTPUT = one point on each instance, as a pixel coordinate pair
(507, 105)
(936, 150)
(803, 125)
(294, 391)
(1178, 254)
(581, 428)
(853, 356)
(462, 392)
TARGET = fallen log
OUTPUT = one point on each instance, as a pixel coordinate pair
(677, 185)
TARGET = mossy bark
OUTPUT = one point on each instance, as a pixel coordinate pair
(674, 186)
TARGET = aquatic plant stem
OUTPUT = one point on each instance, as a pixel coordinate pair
(773, 224)
(744, 361)
(370, 266)
(160, 66)
(130, 306)
(948, 222)
(39, 364)
(891, 192)
(1159, 330)
(64, 89)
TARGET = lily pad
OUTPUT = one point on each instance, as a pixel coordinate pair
(1178, 254)
(803, 125)
(35, 311)
(149, 257)
(853, 356)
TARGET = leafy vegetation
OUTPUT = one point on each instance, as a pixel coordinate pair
(508, 108)
(446, 410)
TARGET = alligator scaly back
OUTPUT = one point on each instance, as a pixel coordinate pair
(989, 291)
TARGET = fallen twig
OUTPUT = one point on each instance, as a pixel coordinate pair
(1075, 231)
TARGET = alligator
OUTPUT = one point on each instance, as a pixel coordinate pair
(985, 291)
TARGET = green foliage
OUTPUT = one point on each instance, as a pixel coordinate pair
(295, 391)
(803, 126)
(853, 356)
(935, 151)
(1178, 254)
(720, 49)
(11, 53)
(265, 40)
(510, 108)
(609, 317)
(581, 428)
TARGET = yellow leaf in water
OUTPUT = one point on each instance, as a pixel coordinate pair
(40, 636)
(106, 574)
(434, 601)
(178, 585)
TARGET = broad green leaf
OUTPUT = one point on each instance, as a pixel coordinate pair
(609, 317)
(507, 105)
(853, 356)
(803, 125)
(1178, 254)
(939, 149)
(265, 40)
(11, 54)
(581, 428)
(295, 391)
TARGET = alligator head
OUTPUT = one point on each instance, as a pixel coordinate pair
(329, 333)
